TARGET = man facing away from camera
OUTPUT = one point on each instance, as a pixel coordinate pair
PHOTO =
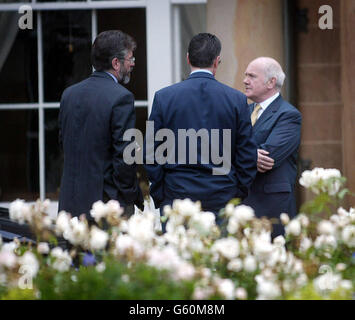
(277, 131)
(215, 120)
(93, 117)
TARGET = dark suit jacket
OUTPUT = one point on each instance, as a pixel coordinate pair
(93, 117)
(201, 102)
(278, 131)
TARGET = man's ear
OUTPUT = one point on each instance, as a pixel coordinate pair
(188, 59)
(116, 64)
(217, 61)
(271, 83)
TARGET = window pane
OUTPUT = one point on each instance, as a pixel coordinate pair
(18, 61)
(66, 50)
(19, 155)
(132, 22)
(192, 21)
(53, 155)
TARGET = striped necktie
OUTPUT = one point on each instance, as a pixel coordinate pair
(254, 115)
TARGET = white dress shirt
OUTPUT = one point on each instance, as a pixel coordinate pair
(266, 103)
(201, 70)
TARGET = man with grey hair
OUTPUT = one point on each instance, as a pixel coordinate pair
(277, 131)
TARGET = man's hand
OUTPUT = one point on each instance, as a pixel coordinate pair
(265, 163)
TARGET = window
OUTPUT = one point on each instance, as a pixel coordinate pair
(37, 65)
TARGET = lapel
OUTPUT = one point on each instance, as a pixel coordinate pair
(268, 113)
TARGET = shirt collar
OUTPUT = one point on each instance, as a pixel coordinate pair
(201, 70)
(113, 77)
(268, 101)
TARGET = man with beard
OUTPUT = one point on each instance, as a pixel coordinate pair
(93, 117)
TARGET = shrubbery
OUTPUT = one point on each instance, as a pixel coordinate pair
(194, 259)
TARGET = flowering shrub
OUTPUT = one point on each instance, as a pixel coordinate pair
(120, 258)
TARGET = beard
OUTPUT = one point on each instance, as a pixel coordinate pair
(124, 76)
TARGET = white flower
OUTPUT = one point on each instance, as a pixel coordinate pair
(241, 294)
(184, 271)
(7, 258)
(203, 222)
(262, 245)
(206, 273)
(307, 179)
(19, 211)
(31, 263)
(250, 264)
(186, 207)
(229, 209)
(267, 289)
(226, 288)
(303, 219)
(141, 226)
(78, 233)
(10, 246)
(124, 244)
(235, 265)
(348, 236)
(318, 180)
(233, 225)
(285, 219)
(346, 284)
(43, 248)
(98, 239)
(167, 210)
(340, 267)
(47, 221)
(329, 281)
(98, 210)
(305, 244)
(62, 223)
(243, 213)
(101, 267)
(293, 228)
(164, 258)
(279, 241)
(202, 293)
(326, 227)
(301, 280)
(62, 260)
(325, 241)
(226, 247)
(125, 278)
(113, 206)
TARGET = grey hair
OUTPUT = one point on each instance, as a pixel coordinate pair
(274, 70)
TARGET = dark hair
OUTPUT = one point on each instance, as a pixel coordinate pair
(108, 45)
(203, 50)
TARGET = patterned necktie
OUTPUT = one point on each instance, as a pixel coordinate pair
(254, 115)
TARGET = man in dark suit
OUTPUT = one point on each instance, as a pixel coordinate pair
(205, 112)
(277, 131)
(93, 117)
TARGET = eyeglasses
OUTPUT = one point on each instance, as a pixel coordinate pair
(131, 60)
